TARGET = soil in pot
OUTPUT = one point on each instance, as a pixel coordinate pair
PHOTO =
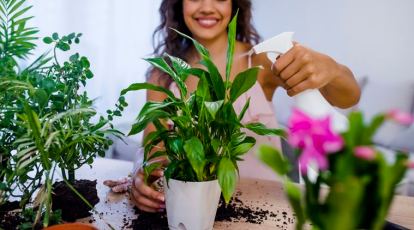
(8, 219)
(72, 206)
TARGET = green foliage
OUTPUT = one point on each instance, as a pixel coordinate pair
(46, 122)
(206, 138)
(16, 39)
(360, 191)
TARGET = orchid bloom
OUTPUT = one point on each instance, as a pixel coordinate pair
(365, 152)
(400, 116)
(314, 137)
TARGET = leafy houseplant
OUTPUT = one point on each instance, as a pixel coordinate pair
(360, 182)
(46, 121)
(206, 138)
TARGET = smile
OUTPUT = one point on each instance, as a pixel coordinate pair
(207, 22)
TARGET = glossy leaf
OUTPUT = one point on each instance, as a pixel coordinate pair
(230, 45)
(147, 86)
(273, 158)
(243, 82)
(295, 199)
(261, 129)
(227, 178)
(161, 64)
(195, 153)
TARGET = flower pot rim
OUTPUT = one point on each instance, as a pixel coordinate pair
(66, 226)
(207, 181)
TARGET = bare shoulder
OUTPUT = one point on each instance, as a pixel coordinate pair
(159, 79)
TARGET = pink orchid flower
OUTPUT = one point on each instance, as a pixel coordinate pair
(365, 152)
(400, 116)
(314, 137)
(410, 164)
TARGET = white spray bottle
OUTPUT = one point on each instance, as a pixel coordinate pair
(310, 101)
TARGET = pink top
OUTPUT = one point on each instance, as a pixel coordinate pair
(260, 110)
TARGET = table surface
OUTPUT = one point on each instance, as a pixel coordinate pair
(116, 210)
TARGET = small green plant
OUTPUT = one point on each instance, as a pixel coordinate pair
(207, 138)
(47, 122)
(16, 42)
(359, 183)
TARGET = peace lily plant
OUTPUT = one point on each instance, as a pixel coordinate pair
(355, 185)
(206, 138)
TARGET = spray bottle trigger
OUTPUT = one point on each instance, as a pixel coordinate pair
(272, 56)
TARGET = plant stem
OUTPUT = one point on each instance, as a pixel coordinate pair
(71, 173)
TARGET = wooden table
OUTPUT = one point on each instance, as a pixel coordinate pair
(115, 209)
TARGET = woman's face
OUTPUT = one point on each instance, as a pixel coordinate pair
(207, 19)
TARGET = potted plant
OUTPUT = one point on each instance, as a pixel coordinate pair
(206, 138)
(47, 122)
(355, 185)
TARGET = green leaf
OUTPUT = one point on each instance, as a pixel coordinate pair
(215, 76)
(372, 128)
(227, 178)
(169, 171)
(213, 107)
(243, 111)
(243, 82)
(161, 64)
(295, 199)
(261, 129)
(195, 153)
(41, 97)
(148, 169)
(273, 158)
(142, 124)
(203, 89)
(19, 13)
(152, 106)
(140, 86)
(47, 40)
(180, 66)
(353, 136)
(230, 47)
(243, 147)
(55, 36)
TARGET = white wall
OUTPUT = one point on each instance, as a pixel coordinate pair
(116, 36)
(372, 37)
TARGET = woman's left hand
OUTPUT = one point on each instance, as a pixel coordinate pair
(302, 68)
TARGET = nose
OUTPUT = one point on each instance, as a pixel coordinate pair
(207, 6)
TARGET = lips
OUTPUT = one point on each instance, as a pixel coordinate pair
(207, 22)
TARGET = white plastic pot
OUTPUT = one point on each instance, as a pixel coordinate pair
(191, 205)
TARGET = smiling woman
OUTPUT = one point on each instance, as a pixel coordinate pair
(299, 69)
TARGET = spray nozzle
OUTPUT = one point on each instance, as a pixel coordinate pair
(275, 46)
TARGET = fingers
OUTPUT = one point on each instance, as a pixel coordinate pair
(145, 197)
(157, 173)
(149, 192)
(141, 207)
(301, 86)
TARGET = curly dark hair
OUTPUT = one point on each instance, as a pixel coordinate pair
(168, 41)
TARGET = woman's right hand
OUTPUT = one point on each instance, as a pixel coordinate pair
(145, 197)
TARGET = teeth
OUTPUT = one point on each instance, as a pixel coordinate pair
(207, 22)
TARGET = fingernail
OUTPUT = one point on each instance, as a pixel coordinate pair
(162, 206)
(161, 198)
(160, 210)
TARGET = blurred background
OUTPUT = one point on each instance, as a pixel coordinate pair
(372, 37)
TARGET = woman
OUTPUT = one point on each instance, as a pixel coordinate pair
(297, 70)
